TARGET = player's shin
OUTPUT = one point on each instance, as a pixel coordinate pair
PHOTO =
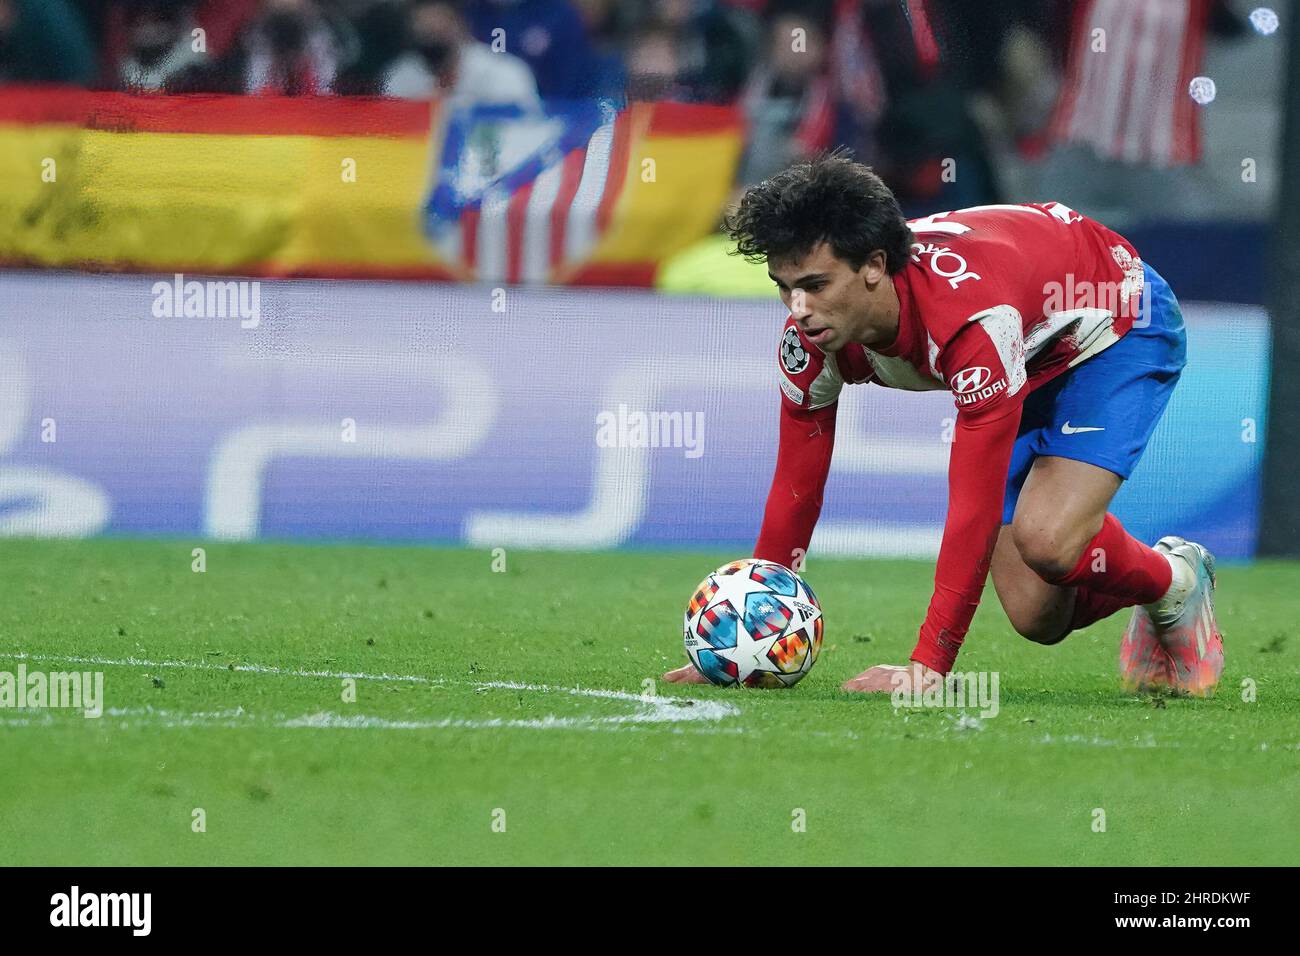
(1117, 566)
(1092, 606)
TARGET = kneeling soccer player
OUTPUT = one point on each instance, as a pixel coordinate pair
(1056, 401)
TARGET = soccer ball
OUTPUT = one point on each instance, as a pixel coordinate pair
(755, 623)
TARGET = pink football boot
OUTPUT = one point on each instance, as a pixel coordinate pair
(1175, 644)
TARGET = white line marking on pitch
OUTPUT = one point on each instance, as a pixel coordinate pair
(651, 710)
(210, 666)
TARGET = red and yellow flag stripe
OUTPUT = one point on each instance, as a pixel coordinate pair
(322, 186)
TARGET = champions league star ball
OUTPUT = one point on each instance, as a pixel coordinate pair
(754, 623)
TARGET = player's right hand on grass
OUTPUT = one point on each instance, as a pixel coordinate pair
(685, 675)
(912, 678)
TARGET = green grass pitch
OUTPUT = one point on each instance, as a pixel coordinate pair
(502, 721)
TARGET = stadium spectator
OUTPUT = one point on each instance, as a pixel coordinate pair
(607, 23)
(381, 28)
(924, 139)
(44, 41)
(548, 35)
(788, 100)
(293, 48)
(130, 45)
(162, 53)
(445, 59)
(1004, 59)
(712, 48)
(652, 65)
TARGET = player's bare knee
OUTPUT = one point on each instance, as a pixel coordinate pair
(1040, 625)
(1048, 547)
(1042, 631)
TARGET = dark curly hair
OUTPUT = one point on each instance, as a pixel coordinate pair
(829, 197)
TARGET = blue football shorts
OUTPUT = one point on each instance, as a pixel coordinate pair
(1104, 410)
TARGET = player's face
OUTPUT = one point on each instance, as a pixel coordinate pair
(832, 302)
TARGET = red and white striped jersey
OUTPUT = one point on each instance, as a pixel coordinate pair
(996, 301)
(1048, 286)
(1125, 92)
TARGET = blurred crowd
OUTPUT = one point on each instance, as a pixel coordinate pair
(908, 84)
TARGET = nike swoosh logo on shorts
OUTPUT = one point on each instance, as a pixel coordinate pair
(1067, 430)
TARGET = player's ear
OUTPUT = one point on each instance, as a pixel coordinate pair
(875, 269)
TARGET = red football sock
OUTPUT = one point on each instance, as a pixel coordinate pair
(1092, 606)
(1117, 565)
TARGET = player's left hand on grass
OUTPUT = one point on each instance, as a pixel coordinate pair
(685, 675)
(886, 678)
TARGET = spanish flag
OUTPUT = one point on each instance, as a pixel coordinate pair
(349, 187)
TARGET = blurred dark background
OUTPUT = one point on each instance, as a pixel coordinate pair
(1083, 101)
